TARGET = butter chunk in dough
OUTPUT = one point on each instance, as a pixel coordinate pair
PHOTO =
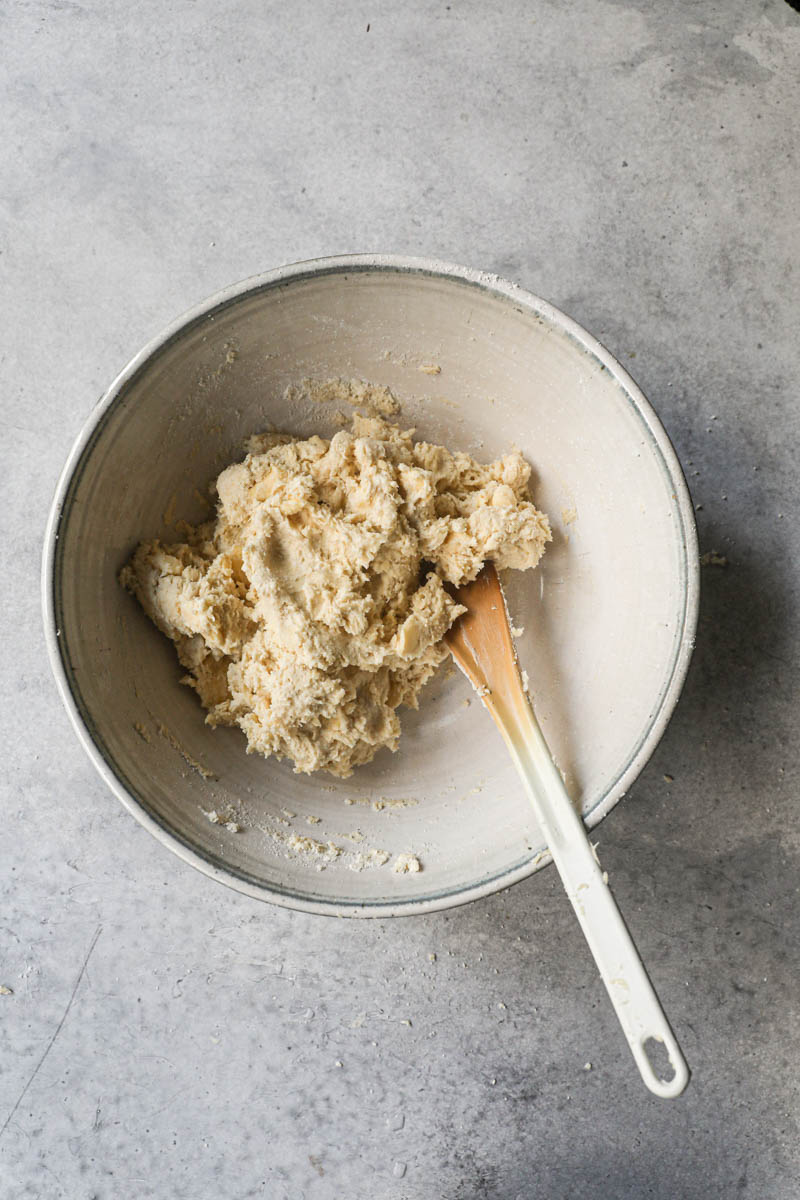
(314, 605)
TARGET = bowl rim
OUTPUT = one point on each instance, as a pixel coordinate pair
(392, 264)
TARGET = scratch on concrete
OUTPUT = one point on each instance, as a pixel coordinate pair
(58, 1029)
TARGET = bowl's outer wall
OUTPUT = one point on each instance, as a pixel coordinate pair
(608, 617)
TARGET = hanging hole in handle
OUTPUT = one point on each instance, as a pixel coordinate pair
(658, 1057)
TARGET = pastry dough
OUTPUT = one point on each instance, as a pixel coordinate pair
(314, 605)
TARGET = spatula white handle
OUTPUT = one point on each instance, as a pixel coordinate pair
(621, 969)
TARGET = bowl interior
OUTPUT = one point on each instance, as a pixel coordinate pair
(604, 616)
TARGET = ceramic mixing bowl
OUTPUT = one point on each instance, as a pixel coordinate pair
(608, 617)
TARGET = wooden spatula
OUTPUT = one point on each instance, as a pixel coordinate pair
(480, 642)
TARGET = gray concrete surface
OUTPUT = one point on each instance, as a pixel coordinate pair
(633, 162)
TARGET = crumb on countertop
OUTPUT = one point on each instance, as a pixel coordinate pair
(712, 558)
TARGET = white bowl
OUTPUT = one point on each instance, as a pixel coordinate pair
(609, 616)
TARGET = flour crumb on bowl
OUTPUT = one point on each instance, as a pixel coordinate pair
(169, 737)
(374, 398)
(406, 864)
(308, 845)
(364, 859)
(224, 819)
(390, 803)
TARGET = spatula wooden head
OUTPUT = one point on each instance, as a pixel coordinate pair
(480, 642)
(481, 638)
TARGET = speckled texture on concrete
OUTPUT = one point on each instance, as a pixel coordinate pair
(633, 162)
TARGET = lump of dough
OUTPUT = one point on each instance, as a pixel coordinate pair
(315, 604)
